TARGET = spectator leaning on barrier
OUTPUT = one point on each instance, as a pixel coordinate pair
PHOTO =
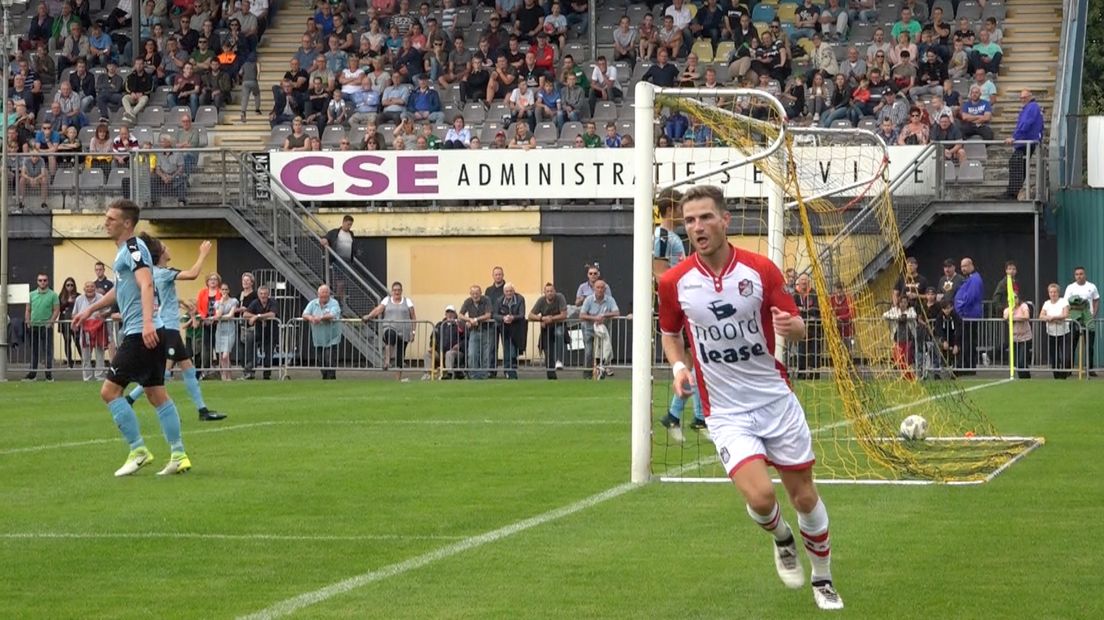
(41, 314)
(261, 315)
(1084, 302)
(509, 316)
(1056, 312)
(596, 310)
(397, 327)
(93, 331)
(551, 312)
(324, 316)
(477, 313)
(1028, 133)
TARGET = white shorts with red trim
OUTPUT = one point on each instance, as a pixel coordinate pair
(777, 433)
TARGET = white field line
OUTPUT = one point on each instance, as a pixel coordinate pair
(214, 536)
(235, 427)
(296, 603)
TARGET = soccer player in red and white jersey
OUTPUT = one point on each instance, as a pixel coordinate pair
(731, 304)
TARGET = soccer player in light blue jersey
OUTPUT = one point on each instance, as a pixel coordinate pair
(176, 350)
(668, 251)
(140, 356)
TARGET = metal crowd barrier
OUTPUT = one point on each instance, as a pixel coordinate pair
(88, 181)
(234, 349)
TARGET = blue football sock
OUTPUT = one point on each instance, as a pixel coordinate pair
(191, 383)
(168, 375)
(698, 414)
(678, 403)
(170, 425)
(136, 393)
(127, 421)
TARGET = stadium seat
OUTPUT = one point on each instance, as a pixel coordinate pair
(950, 175)
(499, 111)
(971, 172)
(997, 11)
(626, 113)
(440, 130)
(604, 111)
(86, 134)
(277, 136)
(160, 96)
(207, 116)
(785, 13)
(639, 71)
(170, 132)
(91, 180)
(975, 150)
(475, 113)
(703, 48)
(861, 32)
(65, 180)
(487, 134)
(569, 130)
(764, 13)
(152, 115)
(724, 48)
(450, 111)
(840, 52)
(578, 53)
(842, 124)
(969, 10)
(546, 133)
(311, 130)
(114, 180)
(143, 134)
(332, 136)
(869, 123)
(452, 95)
(948, 9)
(626, 128)
(173, 115)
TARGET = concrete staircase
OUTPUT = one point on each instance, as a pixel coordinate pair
(279, 44)
(1031, 32)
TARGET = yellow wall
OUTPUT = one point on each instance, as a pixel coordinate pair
(436, 272)
(75, 257)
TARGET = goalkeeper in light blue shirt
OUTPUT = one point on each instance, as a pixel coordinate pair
(668, 251)
(324, 316)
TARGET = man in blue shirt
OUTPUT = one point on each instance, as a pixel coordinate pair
(324, 316)
(1028, 134)
(424, 103)
(597, 308)
(140, 356)
(967, 302)
(176, 351)
(976, 114)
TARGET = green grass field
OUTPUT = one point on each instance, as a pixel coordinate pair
(309, 484)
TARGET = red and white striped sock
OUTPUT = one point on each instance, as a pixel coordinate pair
(773, 523)
(814, 532)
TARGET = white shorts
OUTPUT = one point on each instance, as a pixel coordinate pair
(777, 433)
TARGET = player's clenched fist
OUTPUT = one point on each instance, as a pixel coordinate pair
(784, 324)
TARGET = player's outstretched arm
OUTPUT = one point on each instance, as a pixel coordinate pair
(193, 272)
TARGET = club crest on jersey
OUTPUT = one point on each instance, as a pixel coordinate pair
(746, 288)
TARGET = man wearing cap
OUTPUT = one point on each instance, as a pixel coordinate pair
(893, 108)
(424, 103)
(499, 140)
(448, 342)
(949, 283)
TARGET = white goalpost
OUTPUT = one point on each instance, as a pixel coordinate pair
(815, 200)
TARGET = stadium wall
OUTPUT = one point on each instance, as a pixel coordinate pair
(1080, 224)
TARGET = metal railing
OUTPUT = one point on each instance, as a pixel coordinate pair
(985, 169)
(234, 349)
(86, 181)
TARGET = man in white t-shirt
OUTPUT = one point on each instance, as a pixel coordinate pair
(680, 13)
(731, 304)
(603, 83)
(1084, 302)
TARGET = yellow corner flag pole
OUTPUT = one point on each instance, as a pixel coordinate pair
(1011, 313)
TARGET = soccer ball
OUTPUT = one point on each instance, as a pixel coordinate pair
(914, 428)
